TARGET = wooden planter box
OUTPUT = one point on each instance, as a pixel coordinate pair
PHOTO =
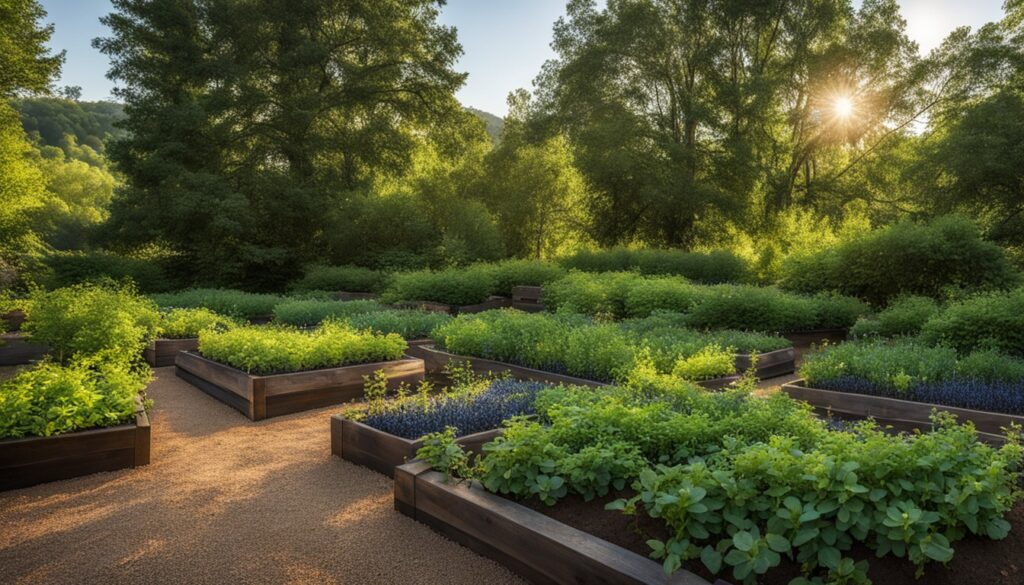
(342, 295)
(12, 320)
(382, 452)
(260, 397)
(539, 548)
(769, 364)
(436, 359)
(15, 349)
(161, 352)
(260, 319)
(528, 298)
(900, 414)
(816, 336)
(491, 303)
(33, 460)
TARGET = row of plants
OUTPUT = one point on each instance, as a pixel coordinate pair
(743, 483)
(233, 303)
(719, 266)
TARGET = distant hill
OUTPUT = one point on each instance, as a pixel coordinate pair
(494, 124)
(51, 118)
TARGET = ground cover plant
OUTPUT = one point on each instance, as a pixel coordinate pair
(453, 286)
(742, 482)
(306, 312)
(911, 370)
(341, 278)
(707, 267)
(234, 303)
(275, 350)
(409, 323)
(187, 323)
(903, 316)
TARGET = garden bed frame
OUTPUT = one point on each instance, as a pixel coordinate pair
(535, 546)
(343, 295)
(12, 320)
(816, 336)
(260, 397)
(33, 460)
(16, 349)
(162, 352)
(436, 360)
(493, 302)
(770, 364)
(383, 452)
(528, 298)
(903, 415)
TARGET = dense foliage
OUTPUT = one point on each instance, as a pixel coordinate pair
(709, 268)
(453, 286)
(306, 312)
(276, 350)
(903, 316)
(409, 323)
(510, 273)
(341, 278)
(234, 303)
(187, 323)
(69, 268)
(993, 321)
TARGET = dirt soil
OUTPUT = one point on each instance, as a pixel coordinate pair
(227, 500)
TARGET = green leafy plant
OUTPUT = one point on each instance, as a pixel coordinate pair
(453, 286)
(309, 312)
(987, 321)
(511, 273)
(409, 323)
(341, 278)
(903, 316)
(235, 303)
(187, 323)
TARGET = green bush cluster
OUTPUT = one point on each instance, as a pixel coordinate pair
(740, 480)
(70, 268)
(903, 316)
(187, 323)
(341, 278)
(511, 273)
(711, 267)
(904, 259)
(409, 323)
(309, 312)
(234, 303)
(992, 321)
(452, 286)
(592, 293)
(274, 350)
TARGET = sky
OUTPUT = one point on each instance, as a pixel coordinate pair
(505, 42)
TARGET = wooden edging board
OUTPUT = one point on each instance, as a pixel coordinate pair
(343, 295)
(382, 452)
(161, 352)
(493, 302)
(770, 364)
(436, 359)
(900, 414)
(16, 349)
(528, 298)
(816, 336)
(12, 320)
(33, 460)
(537, 547)
(260, 397)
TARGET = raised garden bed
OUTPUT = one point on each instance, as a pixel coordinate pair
(493, 302)
(436, 359)
(769, 364)
(342, 295)
(12, 320)
(900, 414)
(810, 337)
(537, 547)
(15, 349)
(260, 319)
(528, 298)
(260, 397)
(161, 352)
(382, 452)
(32, 460)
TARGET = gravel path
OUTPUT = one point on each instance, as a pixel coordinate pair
(227, 500)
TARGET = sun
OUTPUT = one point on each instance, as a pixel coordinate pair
(843, 107)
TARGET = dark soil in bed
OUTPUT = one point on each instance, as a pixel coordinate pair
(977, 561)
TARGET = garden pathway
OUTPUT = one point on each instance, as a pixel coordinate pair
(227, 500)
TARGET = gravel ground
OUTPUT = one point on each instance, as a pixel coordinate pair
(227, 500)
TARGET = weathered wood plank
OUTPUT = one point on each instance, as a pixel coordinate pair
(162, 352)
(816, 336)
(16, 349)
(769, 364)
(224, 377)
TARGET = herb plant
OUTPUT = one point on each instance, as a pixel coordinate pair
(235, 303)
(341, 278)
(409, 323)
(187, 323)
(454, 286)
(304, 313)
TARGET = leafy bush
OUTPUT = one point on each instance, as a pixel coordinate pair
(905, 259)
(311, 312)
(904, 316)
(707, 363)
(234, 303)
(341, 278)
(711, 267)
(453, 286)
(992, 321)
(70, 268)
(106, 320)
(590, 293)
(660, 294)
(666, 341)
(410, 324)
(187, 323)
(51, 399)
(274, 350)
(768, 309)
(510, 273)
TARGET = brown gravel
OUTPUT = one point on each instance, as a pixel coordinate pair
(227, 500)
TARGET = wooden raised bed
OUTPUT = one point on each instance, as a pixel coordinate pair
(382, 452)
(260, 397)
(900, 414)
(528, 298)
(539, 548)
(803, 339)
(33, 460)
(12, 320)
(161, 352)
(769, 364)
(493, 302)
(342, 295)
(436, 359)
(15, 349)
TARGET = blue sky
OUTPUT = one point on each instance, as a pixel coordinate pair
(505, 41)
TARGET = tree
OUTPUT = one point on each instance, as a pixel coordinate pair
(26, 65)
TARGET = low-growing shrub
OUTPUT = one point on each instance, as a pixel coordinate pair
(51, 399)
(106, 320)
(453, 286)
(711, 267)
(304, 313)
(511, 273)
(591, 293)
(187, 323)
(666, 343)
(904, 316)
(707, 363)
(341, 278)
(754, 308)
(649, 295)
(234, 303)
(409, 323)
(274, 350)
(987, 321)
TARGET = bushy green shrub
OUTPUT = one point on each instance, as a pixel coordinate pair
(453, 286)
(711, 268)
(410, 324)
(709, 362)
(272, 350)
(341, 278)
(234, 303)
(109, 321)
(511, 273)
(768, 309)
(987, 321)
(904, 316)
(304, 313)
(905, 259)
(51, 399)
(187, 323)
(591, 293)
(666, 338)
(70, 268)
(896, 365)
